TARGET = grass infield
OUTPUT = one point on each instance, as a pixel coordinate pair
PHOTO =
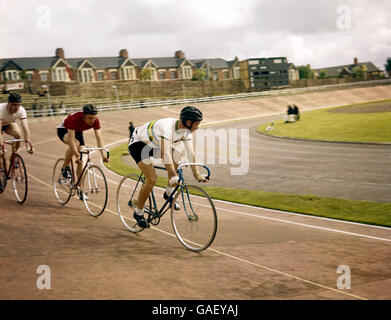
(329, 125)
(343, 209)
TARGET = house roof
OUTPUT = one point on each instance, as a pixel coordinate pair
(213, 63)
(113, 62)
(98, 62)
(347, 68)
(31, 63)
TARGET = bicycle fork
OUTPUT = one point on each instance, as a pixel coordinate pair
(192, 217)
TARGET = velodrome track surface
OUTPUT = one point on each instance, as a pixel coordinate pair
(257, 253)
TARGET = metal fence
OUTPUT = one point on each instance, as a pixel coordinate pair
(131, 104)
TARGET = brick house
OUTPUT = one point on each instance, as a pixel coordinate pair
(93, 69)
(346, 71)
(218, 69)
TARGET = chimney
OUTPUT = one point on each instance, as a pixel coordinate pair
(60, 53)
(179, 54)
(123, 53)
(355, 61)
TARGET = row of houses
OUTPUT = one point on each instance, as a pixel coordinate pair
(369, 70)
(121, 67)
(256, 73)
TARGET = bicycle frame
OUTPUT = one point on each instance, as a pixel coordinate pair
(181, 184)
(86, 151)
(13, 155)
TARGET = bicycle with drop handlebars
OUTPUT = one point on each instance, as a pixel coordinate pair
(16, 171)
(91, 185)
(194, 224)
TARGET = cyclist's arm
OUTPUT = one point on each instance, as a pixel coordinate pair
(99, 142)
(167, 158)
(26, 134)
(1, 134)
(192, 158)
(26, 131)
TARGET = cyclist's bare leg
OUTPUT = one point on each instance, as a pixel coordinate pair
(79, 170)
(150, 181)
(14, 131)
(68, 153)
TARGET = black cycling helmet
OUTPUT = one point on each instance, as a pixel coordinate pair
(90, 109)
(190, 113)
(15, 97)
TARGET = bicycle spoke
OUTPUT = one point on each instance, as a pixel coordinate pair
(62, 187)
(95, 191)
(195, 224)
(127, 194)
(19, 179)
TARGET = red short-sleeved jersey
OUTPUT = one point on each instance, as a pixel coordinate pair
(75, 121)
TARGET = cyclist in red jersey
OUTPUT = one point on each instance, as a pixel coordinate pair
(70, 131)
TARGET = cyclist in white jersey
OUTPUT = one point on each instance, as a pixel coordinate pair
(9, 113)
(160, 138)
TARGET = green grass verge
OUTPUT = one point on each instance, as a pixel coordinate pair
(329, 126)
(350, 210)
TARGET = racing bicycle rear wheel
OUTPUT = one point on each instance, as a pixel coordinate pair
(62, 187)
(127, 194)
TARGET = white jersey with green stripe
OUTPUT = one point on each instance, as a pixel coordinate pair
(152, 133)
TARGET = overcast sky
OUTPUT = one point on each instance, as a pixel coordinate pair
(321, 33)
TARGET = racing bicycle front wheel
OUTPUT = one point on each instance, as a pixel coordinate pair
(19, 179)
(95, 191)
(195, 224)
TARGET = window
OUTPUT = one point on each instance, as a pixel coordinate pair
(215, 75)
(12, 75)
(225, 74)
(44, 76)
(29, 75)
(277, 61)
(186, 72)
(101, 75)
(252, 62)
(236, 72)
(172, 74)
(127, 73)
(86, 75)
(114, 75)
(60, 74)
(162, 75)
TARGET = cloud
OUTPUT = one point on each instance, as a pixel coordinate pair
(305, 31)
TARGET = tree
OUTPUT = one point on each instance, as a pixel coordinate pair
(358, 72)
(322, 74)
(23, 74)
(199, 75)
(305, 72)
(388, 66)
(145, 74)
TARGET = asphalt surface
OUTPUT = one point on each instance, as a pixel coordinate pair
(338, 170)
(257, 253)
